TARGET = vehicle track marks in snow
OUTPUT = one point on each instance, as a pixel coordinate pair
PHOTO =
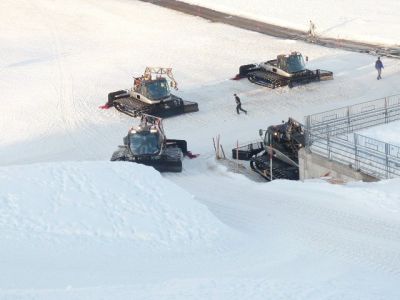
(329, 231)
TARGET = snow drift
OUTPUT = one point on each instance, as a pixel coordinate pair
(101, 201)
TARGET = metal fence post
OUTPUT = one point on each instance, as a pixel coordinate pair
(328, 142)
(356, 158)
(387, 159)
(386, 111)
(348, 120)
(308, 134)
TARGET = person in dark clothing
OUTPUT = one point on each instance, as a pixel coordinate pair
(239, 104)
(379, 67)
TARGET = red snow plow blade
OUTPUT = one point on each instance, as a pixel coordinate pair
(105, 106)
(191, 155)
(237, 77)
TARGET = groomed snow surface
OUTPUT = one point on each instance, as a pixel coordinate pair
(75, 226)
(388, 133)
(361, 20)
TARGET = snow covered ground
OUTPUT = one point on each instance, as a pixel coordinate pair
(75, 226)
(386, 133)
(93, 230)
(361, 20)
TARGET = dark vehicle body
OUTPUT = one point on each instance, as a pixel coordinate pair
(276, 156)
(147, 144)
(151, 95)
(284, 70)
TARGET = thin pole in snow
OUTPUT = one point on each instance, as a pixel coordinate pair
(237, 156)
(223, 152)
(215, 148)
(218, 147)
(270, 161)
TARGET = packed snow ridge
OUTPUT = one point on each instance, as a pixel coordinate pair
(101, 201)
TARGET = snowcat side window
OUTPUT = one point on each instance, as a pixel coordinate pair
(143, 90)
(282, 64)
(268, 138)
(136, 85)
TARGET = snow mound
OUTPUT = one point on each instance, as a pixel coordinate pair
(105, 201)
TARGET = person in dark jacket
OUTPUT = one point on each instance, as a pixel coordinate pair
(239, 104)
(379, 67)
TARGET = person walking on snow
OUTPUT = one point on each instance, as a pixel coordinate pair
(311, 31)
(379, 67)
(239, 104)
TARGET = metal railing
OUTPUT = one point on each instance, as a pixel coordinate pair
(356, 117)
(364, 154)
(331, 134)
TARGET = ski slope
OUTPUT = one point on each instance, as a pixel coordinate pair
(75, 226)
